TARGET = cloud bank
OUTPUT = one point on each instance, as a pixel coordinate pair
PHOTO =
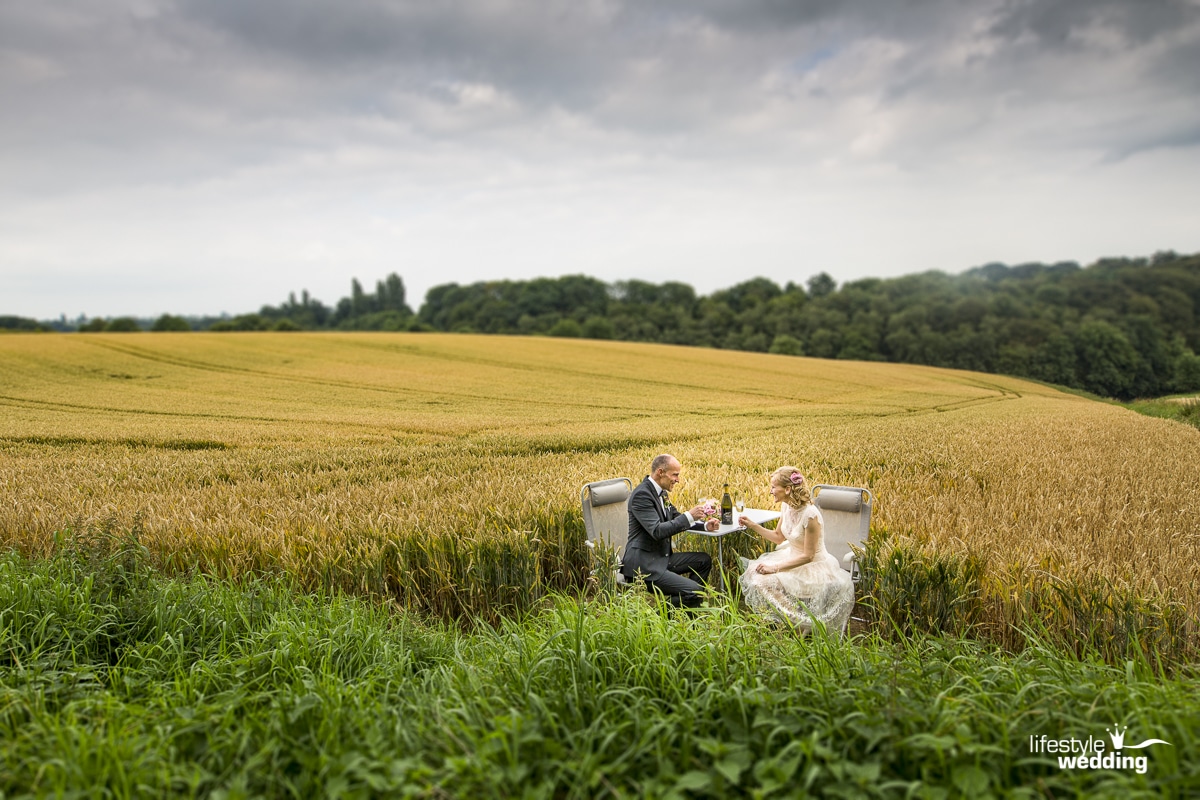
(202, 155)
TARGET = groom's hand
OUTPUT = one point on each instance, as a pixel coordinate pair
(696, 512)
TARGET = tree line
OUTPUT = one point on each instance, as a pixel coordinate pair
(385, 309)
(1122, 327)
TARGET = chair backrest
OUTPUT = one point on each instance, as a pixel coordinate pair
(847, 514)
(605, 511)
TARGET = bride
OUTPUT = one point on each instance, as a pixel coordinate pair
(799, 581)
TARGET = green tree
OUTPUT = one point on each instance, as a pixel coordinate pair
(755, 343)
(784, 344)
(1107, 361)
(856, 347)
(824, 343)
(747, 295)
(1015, 359)
(821, 285)
(567, 327)
(598, 328)
(14, 323)
(359, 304)
(242, 322)
(123, 325)
(1054, 361)
(1153, 366)
(1186, 376)
(169, 322)
(389, 295)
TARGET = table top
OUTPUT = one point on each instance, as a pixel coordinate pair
(759, 515)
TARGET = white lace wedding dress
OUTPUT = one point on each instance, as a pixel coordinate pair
(820, 589)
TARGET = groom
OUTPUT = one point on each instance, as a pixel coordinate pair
(652, 523)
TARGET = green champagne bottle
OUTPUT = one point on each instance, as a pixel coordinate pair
(726, 507)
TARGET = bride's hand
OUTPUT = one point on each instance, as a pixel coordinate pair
(765, 569)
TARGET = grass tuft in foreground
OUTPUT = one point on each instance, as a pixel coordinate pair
(115, 680)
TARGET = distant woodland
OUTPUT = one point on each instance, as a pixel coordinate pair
(1121, 328)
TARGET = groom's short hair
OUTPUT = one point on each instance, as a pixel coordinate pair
(660, 462)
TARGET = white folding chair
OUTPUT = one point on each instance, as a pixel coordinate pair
(847, 514)
(606, 518)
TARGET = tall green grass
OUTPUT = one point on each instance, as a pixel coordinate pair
(447, 575)
(908, 588)
(1186, 410)
(118, 681)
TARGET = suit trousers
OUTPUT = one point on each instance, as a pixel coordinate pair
(681, 584)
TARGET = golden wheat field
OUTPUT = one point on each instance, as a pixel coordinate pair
(448, 467)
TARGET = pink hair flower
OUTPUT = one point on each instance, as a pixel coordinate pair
(796, 479)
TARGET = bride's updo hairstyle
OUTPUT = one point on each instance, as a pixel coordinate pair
(795, 484)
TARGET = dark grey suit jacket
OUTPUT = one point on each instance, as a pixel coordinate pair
(650, 530)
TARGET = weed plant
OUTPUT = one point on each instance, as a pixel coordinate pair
(117, 681)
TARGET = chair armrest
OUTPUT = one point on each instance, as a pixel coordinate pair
(850, 558)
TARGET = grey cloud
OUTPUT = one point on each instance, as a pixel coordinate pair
(1058, 23)
(765, 15)
(902, 19)
(200, 86)
(539, 50)
(1147, 50)
(670, 66)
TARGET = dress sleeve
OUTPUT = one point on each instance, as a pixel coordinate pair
(809, 513)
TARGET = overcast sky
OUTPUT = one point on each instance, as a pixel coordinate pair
(200, 156)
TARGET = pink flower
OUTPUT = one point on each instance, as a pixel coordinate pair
(797, 479)
(708, 507)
